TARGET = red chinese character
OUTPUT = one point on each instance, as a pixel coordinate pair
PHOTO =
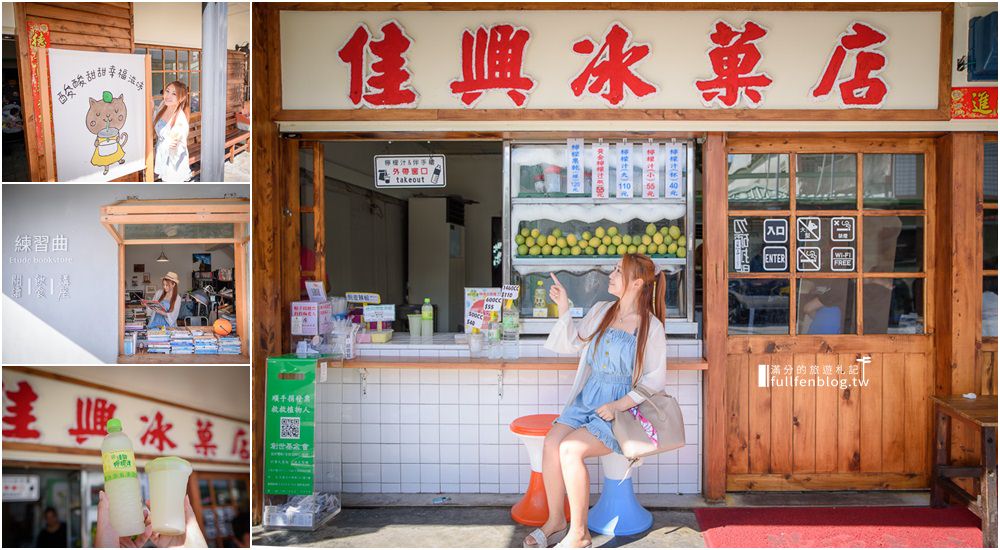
(492, 60)
(388, 83)
(241, 445)
(92, 417)
(156, 432)
(734, 60)
(20, 417)
(609, 72)
(205, 447)
(863, 88)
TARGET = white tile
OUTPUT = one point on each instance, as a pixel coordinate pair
(351, 412)
(509, 454)
(429, 394)
(545, 352)
(487, 376)
(371, 433)
(449, 414)
(468, 414)
(365, 352)
(448, 376)
(350, 433)
(335, 412)
(352, 393)
(409, 414)
(469, 488)
(429, 414)
(371, 473)
(351, 376)
(489, 488)
(508, 474)
(389, 376)
(390, 473)
(688, 488)
(409, 473)
(371, 453)
(430, 433)
(429, 376)
(489, 454)
(335, 376)
(548, 394)
(489, 473)
(389, 393)
(550, 377)
(451, 488)
(468, 433)
(687, 454)
(390, 433)
(464, 353)
(526, 409)
(468, 377)
(529, 377)
(691, 432)
(449, 433)
(409, 393)
(509, 488)
(688, 377)
(450, 474)
(564, 393)
(449, 453)
(370, 392)
(430, 488)
(352, 473)
(448, 393)
(687, 473)
(448, 353)
(389, 488)
(690, 414)
(429, 353)
(509, 396)
(489, 434)
(647, 473)
(550, 409)
(430, 473)
(352, 487)
(429, 453)
(468, 394)
(371, 413)
(409, 376)
(527, 395)
(409, 487)
(671, 377)
(489, 414)
(390, 413)
(389, 453)
(351, 452)
(687, 394)
(507, 414)
(487, 394)
(468, 473)
(409, 453)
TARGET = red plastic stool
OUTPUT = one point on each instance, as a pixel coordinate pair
(533, 509)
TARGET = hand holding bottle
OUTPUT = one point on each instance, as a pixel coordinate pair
(107, 536)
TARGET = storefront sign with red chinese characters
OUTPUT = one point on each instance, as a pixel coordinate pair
(595, 59)
(58, 413)
(973, 103)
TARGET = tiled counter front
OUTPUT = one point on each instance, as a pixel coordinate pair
(445, 430)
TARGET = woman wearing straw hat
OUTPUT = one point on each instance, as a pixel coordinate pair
(166, 314)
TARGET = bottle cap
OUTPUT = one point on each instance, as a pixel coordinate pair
(114, 425)
(427, 300)
(540, 283)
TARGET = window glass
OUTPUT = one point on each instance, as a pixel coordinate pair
(757, 244)
(170, 60)
(826, 243)
(826, 181)
(990, 306)
(990, 171)
(758, 181)
(156, 59)
(990, 239)
(894, 182)
(826, 306)
(758, 306)
(893, 306)
(893, 244)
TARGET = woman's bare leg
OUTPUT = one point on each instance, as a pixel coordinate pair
(574, 448)
(552, 477)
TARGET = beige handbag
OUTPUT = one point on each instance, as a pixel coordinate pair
(654, 426)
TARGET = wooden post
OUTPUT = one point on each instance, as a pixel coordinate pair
(269, 326)
(319, 211)
(47, 155)
(36, 170)
(715, 315)
(988, 487)
(239, 252)
(150, 153)
(942, 453)
(291, 231)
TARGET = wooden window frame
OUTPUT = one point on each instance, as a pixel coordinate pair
(157, 97)
(194, 488)
(859, 147)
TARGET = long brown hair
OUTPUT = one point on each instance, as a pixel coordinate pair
(173, 294)
(182, 104)
(652, 301)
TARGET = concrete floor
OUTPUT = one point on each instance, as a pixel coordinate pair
(481, 521)
(238, 170)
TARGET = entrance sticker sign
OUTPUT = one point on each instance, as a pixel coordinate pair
(574, 166)
(289, 426)
(98, 114)
(410, 171)
(775, 258)
(776, 230)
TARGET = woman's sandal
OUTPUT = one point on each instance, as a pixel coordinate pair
(540, 539)
(590, 544)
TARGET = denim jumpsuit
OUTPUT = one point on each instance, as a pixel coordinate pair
(611, 365)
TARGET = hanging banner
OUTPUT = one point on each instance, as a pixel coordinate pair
(624, 157)
(98, 114)
(38, 37)
(599, 174)
(289, 426)
(674, 168)
(650, 170)
(574, 166)
(974, 103)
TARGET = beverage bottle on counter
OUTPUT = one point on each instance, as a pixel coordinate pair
(121, 481)
(511, 331)
(494, 349)
(427, 318)
(540, 299)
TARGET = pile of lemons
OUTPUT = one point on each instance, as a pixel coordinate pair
(666, 241)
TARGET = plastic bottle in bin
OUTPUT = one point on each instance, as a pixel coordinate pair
(121, 481)
(511, 330)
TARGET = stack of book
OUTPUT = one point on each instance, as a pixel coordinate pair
(205, 343)
(181, 342)
(157, 341)
(229, 345)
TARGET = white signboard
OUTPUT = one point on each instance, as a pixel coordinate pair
(409, 171)
(475, 319)
(381, 313)
(60, 413)
(574, 166)
(674, 168)
(650, 170)
(624, 157)
(599, 173)
(20, 488)
(510, 292)
(316, 291)
(363, 297)
(98, 114)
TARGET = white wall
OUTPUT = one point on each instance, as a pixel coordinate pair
(8, 18)
(83, 328)
(179, 23)
(964, 11)
(180, 262)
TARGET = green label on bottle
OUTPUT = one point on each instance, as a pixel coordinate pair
(119, 465)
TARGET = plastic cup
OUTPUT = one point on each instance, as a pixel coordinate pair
(415, 324)
(168, 478)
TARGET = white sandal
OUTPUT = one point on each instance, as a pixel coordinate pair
(561, 545)
(539, 536)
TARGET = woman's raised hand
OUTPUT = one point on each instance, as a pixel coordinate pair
(558, 294)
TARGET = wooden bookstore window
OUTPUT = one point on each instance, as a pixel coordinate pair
(829, 238)
(170, 64)
(220, 498)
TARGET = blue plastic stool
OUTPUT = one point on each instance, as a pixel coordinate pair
(618, 512)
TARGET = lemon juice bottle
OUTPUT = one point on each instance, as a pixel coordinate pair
(121, 481)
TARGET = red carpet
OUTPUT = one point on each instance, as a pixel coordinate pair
(849, 527)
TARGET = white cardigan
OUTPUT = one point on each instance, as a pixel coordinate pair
(565, 338)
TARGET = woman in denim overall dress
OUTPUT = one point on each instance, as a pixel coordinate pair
(621, 344)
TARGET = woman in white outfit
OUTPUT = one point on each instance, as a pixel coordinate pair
(171, 125)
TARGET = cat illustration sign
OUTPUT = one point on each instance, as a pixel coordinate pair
(98, 114)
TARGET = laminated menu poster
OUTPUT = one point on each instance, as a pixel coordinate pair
(289, 425)
(98, 114)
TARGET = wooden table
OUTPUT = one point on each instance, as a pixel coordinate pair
(981, 412)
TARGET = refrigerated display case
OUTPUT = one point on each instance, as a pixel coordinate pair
(581, 238)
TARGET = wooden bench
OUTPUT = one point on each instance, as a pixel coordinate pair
(237, 140)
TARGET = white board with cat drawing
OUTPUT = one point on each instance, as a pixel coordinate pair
(98, 114)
